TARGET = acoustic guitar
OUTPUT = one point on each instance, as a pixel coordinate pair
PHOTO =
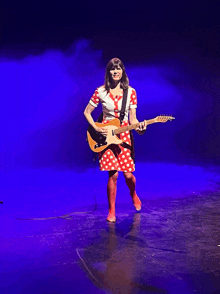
(98, 142)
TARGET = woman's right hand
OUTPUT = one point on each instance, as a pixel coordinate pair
(103, 131)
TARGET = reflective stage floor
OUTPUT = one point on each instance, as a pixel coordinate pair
(55, 239)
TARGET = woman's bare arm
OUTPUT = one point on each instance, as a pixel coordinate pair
(87, 112)
(133, 120)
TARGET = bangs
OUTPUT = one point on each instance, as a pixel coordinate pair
(115, 63)
(115, 66)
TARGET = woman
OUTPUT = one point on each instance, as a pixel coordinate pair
(116, 157)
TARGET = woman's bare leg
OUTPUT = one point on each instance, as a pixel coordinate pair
(131, 183)
(111, 192)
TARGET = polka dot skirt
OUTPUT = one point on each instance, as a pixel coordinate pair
(118, 157)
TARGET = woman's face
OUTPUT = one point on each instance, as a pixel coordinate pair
(116, 73)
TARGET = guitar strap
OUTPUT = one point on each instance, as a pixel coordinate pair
(122, 112)
(121, 117)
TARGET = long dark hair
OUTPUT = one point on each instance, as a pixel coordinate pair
(112, 64)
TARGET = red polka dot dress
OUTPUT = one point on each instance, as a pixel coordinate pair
(116, 157)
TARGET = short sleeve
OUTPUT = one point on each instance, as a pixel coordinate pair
(133, 99)
(94, 101)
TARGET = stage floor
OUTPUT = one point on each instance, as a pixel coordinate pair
(55, 239)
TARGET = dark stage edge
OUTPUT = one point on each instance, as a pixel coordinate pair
(171, 246)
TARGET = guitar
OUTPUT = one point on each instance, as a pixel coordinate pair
(98, 142)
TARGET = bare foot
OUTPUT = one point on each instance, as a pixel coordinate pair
(136, 202)
(111, 218)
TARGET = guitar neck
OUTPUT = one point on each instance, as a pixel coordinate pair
(134, 126)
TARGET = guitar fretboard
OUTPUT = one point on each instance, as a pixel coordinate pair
(134, 126)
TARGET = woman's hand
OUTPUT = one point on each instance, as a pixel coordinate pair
(142, 127)
(103, 131)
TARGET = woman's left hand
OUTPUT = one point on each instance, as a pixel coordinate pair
(142, 127)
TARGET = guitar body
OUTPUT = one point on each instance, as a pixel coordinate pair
(97, 141)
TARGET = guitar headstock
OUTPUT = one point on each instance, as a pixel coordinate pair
(164, 118)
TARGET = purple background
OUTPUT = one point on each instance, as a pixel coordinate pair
(44, 95)
(53, 56)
